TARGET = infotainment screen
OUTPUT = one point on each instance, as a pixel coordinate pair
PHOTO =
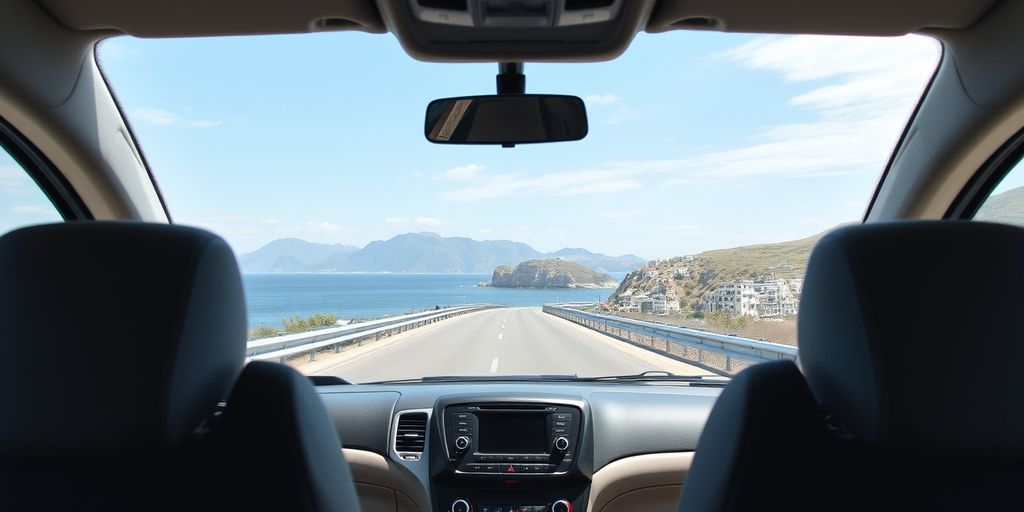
(516, 432)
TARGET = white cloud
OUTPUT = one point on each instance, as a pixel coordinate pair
(874, 84)
(601, 99)
(856, 116)
(427, 221)
(165, 118)
(398, 222)
(30, 209)
(461, 173)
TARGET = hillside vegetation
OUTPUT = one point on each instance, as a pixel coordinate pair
(692, 279)
(1006, 207)
(549, 273)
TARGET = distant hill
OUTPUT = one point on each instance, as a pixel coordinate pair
(1006, 207)
(549, 273)
(291, 255)
(694, 276)
(624, 263)
(416, 252)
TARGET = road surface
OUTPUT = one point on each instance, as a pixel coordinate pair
(512, 341)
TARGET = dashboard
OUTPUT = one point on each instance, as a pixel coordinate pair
(518, 447)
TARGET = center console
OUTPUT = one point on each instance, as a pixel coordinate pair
(511, 454)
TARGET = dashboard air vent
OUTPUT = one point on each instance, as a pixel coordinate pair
(411, 432)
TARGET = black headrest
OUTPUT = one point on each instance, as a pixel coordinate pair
(910, 336)
(117, 337)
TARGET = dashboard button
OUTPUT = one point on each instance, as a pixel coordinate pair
(507, 468)
(561, 423)
(463, 430)
(462, 416)
(490, 468)
(560, 431)
(563, 416)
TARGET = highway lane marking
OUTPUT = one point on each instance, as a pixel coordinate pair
(386, 343)
(494, 365)
(499, 338)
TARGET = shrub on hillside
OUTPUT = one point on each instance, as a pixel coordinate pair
(262, 331)
(297, 324)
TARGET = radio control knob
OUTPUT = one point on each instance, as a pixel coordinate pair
(461, 505)
(462, 444)
(561, 444)
(561, 506)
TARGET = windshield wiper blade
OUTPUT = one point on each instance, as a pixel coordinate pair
(662, 376)
(477, 378)
(648, 376)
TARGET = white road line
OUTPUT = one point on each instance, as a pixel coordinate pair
(494, 365)
(500, 334)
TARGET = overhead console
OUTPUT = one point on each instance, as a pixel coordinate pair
(511, 454)
(515, 30)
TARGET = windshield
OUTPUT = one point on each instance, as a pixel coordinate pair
(681, 222)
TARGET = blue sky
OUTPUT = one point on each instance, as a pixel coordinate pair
(698, 140)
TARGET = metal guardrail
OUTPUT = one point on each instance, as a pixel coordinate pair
(717, 352)
(282, 347)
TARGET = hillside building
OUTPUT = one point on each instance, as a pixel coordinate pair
(759, 299)
(655, 304)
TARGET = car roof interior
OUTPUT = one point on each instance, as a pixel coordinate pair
(54, 95)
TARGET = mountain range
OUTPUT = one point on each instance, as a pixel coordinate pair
(416, 252)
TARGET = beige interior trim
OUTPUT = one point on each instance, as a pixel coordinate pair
(190, 18)
(52, 92)
(975, 105)
(644, 482)
(852, 17)
(374, 470)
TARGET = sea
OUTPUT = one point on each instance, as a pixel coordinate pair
(274, 297)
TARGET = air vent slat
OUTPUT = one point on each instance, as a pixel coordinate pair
(411, 433)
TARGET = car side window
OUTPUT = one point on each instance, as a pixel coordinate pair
(22, 202)
(1006, 202)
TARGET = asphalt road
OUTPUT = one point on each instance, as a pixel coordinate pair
(514, 341)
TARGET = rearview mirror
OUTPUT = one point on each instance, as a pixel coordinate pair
(506, 119)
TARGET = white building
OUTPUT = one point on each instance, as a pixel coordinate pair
(761, 299)
(656, 304)
(738, 297)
